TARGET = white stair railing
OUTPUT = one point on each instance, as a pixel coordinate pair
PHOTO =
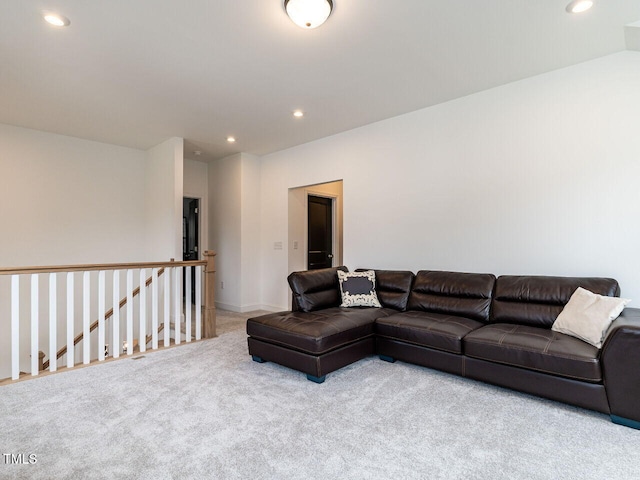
(33, 329)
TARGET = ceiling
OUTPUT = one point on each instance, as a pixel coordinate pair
(135, 73)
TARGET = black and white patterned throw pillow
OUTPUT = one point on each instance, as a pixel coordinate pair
(358, 289)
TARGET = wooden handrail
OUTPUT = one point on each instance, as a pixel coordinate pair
(149, 337)
(98, 266)
(107, 315)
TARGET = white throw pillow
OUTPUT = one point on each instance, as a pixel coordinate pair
(587, 316)
(358, 289)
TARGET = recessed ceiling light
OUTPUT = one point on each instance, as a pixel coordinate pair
(56, 20)
(231, 139)
(579, 6)
(298, 113)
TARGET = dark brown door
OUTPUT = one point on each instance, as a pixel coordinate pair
(320, 232)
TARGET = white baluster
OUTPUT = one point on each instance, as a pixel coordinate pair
(143, 311)
(70, 322)
(101, 315)
(154, 309)
(115, 340)
(129, 312)
(176, 304)
(34, 324)
(15, 327)
(53, 323)
(86, 320)
(167, 306)
(187, 303)
(198, 302)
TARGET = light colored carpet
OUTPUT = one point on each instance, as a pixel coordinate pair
(206, 410)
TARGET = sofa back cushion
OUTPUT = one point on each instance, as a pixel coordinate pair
(315, 289)
(538, 300)
(393, 287)
(462, 294)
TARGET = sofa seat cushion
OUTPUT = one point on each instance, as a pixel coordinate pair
(535, 348)
(434, 330)
(316, 332)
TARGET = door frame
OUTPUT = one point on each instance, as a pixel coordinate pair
(297, 242)
(202, 219)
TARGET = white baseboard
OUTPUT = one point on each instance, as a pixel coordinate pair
(227, 306)
(271, 308)
(247, 308)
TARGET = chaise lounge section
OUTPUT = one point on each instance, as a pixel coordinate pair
(318, 337)
(496, 330)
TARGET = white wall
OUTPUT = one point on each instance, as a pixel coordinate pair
(225, 228)
(534, 177)
(196, 185)
(66, 200)
(250, 233)
(632, 36)
(234, 231)
(163, 184)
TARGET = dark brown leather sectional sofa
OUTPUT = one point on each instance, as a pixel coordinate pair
(497, 330)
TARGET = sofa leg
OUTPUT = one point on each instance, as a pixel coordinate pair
(258, 359)
(316, 379)
(626, 422)
(387, 359)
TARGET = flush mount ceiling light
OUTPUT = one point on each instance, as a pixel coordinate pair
(579, 6)
(308, 13)
(298, 113)
(56, 20)
(231, 139)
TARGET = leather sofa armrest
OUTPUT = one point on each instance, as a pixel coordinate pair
(315, 289)
(630, 317)
(294, 304)
(621, 367)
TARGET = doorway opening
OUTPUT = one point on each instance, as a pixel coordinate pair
(190, 228)
(190, 238)
(315, 226)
